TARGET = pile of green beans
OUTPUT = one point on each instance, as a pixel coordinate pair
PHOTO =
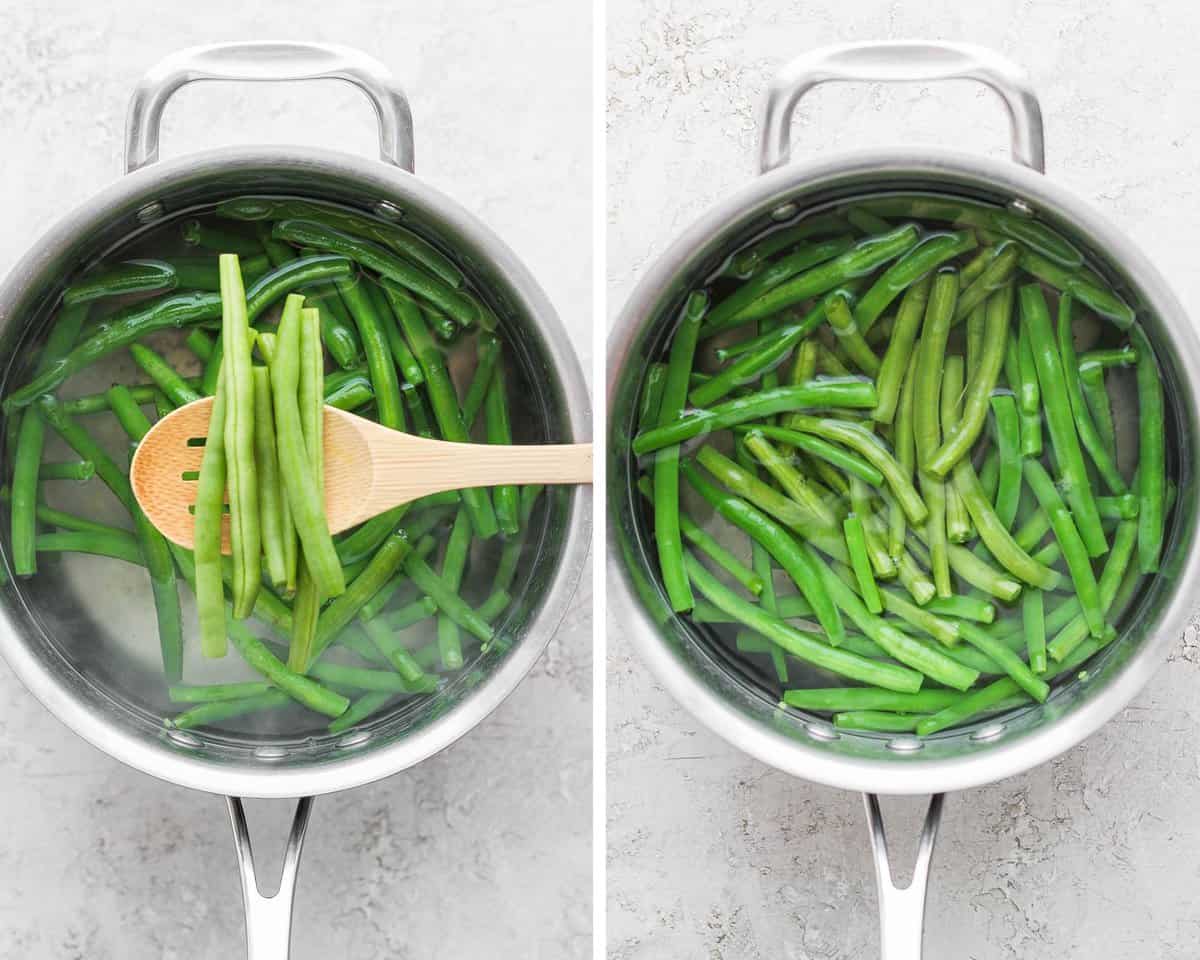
(880, 444)
(280, 306)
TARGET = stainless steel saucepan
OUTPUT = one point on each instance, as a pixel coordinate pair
(807, 746)
(78, 633)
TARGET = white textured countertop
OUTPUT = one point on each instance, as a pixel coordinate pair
(485, 849)
(712, 854)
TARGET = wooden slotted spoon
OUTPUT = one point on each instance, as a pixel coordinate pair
(368, 468)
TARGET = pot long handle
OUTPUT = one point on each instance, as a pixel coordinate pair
(269, 919)
(902, 909)
(898, 61)
(268, 60)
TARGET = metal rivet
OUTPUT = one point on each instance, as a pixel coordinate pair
(819, 730)
(905, 744)
(270, 753)
(388, 210)
(989, 732)
(785, 212)
(355, 739)
(185, 739)
(151, 212)
(1021, 208)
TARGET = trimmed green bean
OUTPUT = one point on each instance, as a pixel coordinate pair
(117, 546)
(1095, 395)
(1056, 402)
(208, 714)
(897, 357)
(1079, 285)
(918, 263)
(856, 545)
(1033, 618)
(121, 279)
(177, 389)
(1151, 478)
(371, 331)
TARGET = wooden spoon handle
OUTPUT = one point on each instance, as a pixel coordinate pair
(437, 465)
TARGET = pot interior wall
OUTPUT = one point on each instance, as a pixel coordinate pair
(90, 621)
(709, 661)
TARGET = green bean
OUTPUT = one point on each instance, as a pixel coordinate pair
(1079, 285)
(861, 259)
(445, 405)
(963, 608)
(976, 321)
(79, 440)
(62, 519)
(842, 699)
(299, 687)
(856, 394)
(1029, 396)
(900, 349)
(856, 545)
(448, 601)
(275, 522)
(989, 474)
(212, 369)
(207, 714)
(798, 643)
(904, 445)
(1057, 404)
(898, 645)
(118, 546)
(764, 573)
(371, 331)
(347, 389)
(1089, 436)
(120, 279)
(215, 692)
(459, 305)
(364, 678)
(860, 505)
(943, 630)
(90, 403)
(958, 520)
(1095, 395)
(487, 361)
(1102, 359)
(454, 562)
(411, 613)
(1071, 541)
(707, 544)
(994, 277)
(791, 480)
(747, 260)
(929, 254)
(198, 234)
(177, 389)
(667, 537)
(842, 323)
(995, 534)
(360, 709)
(338, 331)
(796, 559)
(201, 273)
(1124, 507)
(1072, 634)
(926, 432)
(749, 367)
(1030, 232)
(732, 351)
(424, 548)
(30, 436)
(1008, 492)
(810, 443)
(1006, 660)
(1033, 618)
(403, 241)
(383, 635)
(772, 275)
(155, 552)
(876, 721)
(245, 534)
(979, 391)
(345, 607)
(210, 495)
(417, 410)
(1151, 478)
(183, 309)
(499, 431)
(295, 465)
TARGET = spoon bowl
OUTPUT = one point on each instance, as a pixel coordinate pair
(368, 468)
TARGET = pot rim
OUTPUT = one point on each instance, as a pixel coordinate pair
(167, 761)
(915, 775)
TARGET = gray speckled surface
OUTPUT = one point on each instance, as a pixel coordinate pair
(714, 855)
(484, 850)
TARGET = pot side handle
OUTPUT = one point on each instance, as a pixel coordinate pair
(895, 62)
(274, 61)
(269, 919)
(902, 909)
